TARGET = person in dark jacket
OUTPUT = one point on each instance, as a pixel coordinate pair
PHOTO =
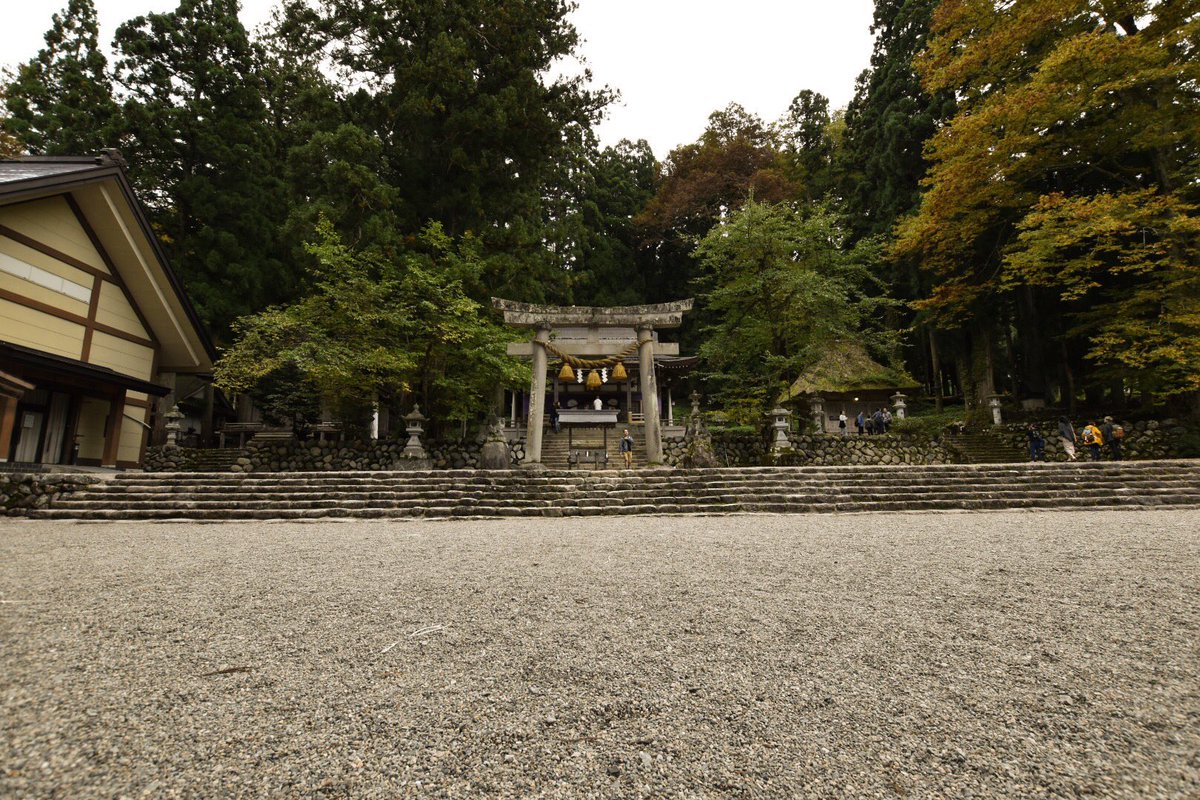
(1037, 444)
(1113, 434)
(861, 422)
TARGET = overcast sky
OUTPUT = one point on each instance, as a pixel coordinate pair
(674, 61)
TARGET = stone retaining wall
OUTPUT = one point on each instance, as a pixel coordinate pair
(295, 456)
(22, 491)
(1148, 439)
(168, 459)
(747, 449)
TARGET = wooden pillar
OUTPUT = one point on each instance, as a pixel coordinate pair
(112, 430)
(649, 394)
(670, 408)
(164, 404)
(537, 397)
(629, 400)
(206, 424)
(8, 423)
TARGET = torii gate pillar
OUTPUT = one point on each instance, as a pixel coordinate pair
(654, 454)
(537, 397)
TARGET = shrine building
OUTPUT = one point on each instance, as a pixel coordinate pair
(94, 326)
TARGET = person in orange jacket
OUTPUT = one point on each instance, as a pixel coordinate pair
(1093, 440)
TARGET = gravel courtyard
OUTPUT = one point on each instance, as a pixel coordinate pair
(966, 655)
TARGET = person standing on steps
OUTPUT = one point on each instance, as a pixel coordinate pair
(1067, 434)
(842, 423)
(1113, 434)
(1093, 440)
(1037, 443)
(554, 421)
(627, 449)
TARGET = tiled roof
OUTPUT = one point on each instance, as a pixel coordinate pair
(32, 168)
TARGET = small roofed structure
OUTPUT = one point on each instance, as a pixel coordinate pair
(846, 380)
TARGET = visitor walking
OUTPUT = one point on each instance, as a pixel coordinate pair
(1037, 443)
(877, 422)
(842, 423)
(554, 420)
(1093, 440)
(627, 449)
(887, 420)
(1066, 433)
(1113, 434)
(861, 423)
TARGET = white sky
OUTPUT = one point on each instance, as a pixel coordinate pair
(674, 61)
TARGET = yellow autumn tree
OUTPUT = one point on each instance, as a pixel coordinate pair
(1069, 173)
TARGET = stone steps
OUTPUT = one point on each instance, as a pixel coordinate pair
(143, 494)
(984, 448)
(471, 494)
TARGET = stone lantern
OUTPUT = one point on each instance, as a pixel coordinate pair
(172, 427)
(899, 406)
(994, 401)
(779, 424)
(413, 427)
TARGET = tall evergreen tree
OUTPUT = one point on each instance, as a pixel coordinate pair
(890, 120)
(203, 155)
(807, 138)
(61, 101)
(471, 124)
(613, 267)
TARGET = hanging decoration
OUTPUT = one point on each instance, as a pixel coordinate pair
(593, 380)
(565, 374)
(618, 373)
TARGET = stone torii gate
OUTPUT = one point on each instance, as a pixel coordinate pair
(642, 319)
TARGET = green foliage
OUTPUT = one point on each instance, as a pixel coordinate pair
(929, 425)
(61, 101)
(376, 330)
(287, 397)
(780, 285)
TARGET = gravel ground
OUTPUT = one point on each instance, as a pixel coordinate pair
(965, 655)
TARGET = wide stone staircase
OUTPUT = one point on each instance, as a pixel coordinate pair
(555, 446)
(472, 494)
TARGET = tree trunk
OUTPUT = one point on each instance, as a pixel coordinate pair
(1068, 379)
(936, 367)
